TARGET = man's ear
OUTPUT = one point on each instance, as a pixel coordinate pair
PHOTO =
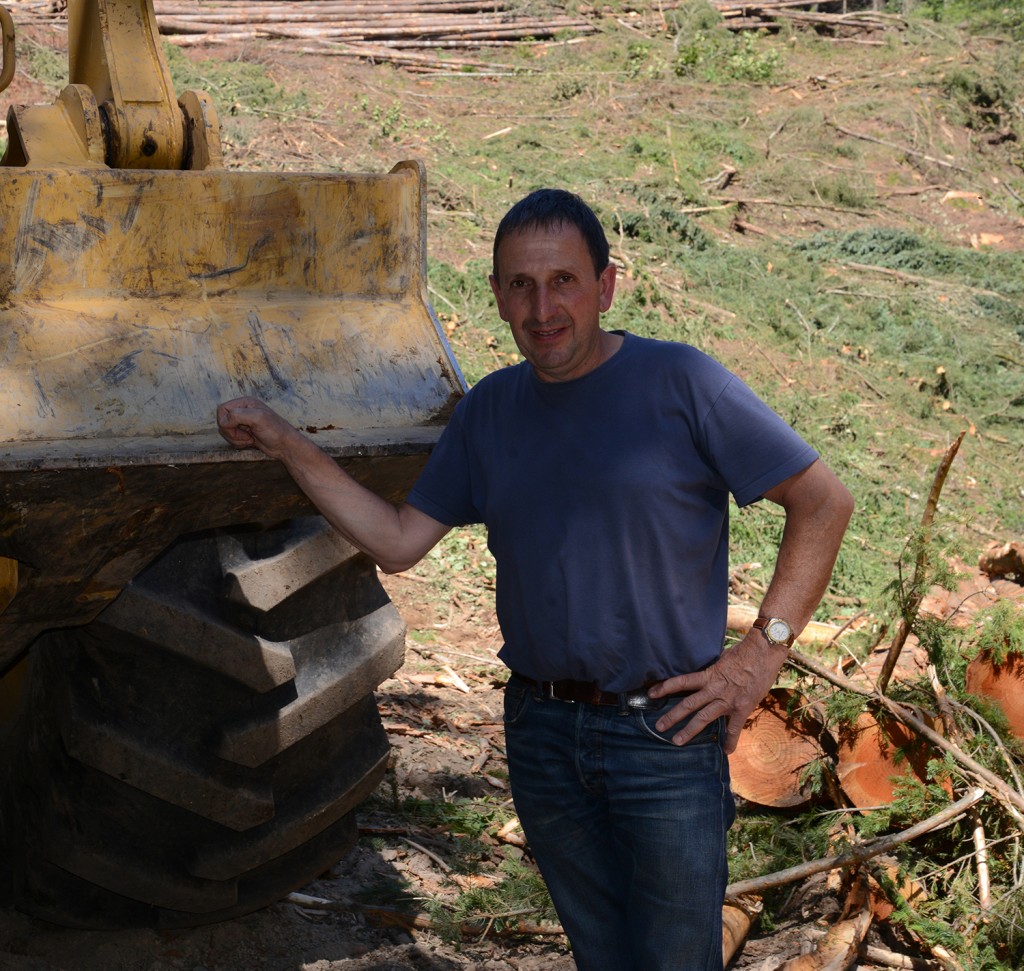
(607, 282)
(496, 290)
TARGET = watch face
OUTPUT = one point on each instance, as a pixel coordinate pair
(778, 631)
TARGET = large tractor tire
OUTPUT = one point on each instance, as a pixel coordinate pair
(197, 751)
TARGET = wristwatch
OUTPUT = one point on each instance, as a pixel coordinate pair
(775, 630)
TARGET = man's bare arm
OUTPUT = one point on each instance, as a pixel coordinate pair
(395, 538)
(818, 508)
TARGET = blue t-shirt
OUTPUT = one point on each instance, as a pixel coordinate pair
(606, 505)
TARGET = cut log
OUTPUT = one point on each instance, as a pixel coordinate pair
(782, 737)
(1003, 560)
(737, 919)
(1001, 683)
(874, 754)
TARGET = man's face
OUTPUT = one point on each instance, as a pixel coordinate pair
(549, 295)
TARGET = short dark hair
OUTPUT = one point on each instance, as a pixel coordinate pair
(545, 208)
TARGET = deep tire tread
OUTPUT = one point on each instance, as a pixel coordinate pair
(198, 750)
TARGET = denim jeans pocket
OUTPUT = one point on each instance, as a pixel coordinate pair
(517, 698)
(646, 720)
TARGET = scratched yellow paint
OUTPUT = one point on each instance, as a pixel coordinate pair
(131, 303)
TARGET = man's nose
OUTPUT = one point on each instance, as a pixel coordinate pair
(544, 305)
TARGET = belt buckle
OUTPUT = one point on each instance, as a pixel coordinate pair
(637, 700)
(547, 692)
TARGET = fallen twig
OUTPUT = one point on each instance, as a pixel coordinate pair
(791, 205)
(857, 854)
(890, 959)
(904, 277)
(419, 846)
(899, 148)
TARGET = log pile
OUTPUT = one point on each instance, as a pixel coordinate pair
(826, 16)
(409, 32)
(405, 24)
(772, 14)
(419, 33)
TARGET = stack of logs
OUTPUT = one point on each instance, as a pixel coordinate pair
(405, 30)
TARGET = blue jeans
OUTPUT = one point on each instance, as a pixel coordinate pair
(628, 830)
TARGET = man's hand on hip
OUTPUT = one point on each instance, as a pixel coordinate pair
(732, 688)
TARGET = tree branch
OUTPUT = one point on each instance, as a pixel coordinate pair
(857, 854)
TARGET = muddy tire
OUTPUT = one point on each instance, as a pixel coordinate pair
(197, 751)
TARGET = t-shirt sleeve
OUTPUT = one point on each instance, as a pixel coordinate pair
(751, 446)
(444, 488)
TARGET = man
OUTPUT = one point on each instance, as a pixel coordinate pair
(602, 467)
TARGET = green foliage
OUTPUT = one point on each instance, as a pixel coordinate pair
(235, 86)
(842, 709)
(1000, 630)
(966, 305)
(841, 190)
(664, 225)
(643, 61)
(751, 62)
(44, 65)
(985, 101)
(932, 553)
(464, 553)
(714, 55)
(695, 15)
(981, 16)
(913, 801)
(521, 895)
(470, 817)
(763, 842)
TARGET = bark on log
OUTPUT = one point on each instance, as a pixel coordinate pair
(737, 919)
(782, 737)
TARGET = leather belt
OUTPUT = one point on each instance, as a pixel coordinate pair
(588, 693)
